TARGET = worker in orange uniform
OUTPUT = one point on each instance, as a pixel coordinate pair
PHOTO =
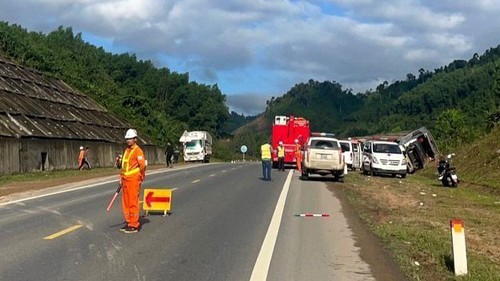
(298, 155)
(81, 157)
(132, 175)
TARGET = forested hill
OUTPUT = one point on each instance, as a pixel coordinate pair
(160, 103)
(458, 102)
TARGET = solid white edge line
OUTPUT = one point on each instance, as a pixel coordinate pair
(261, 267)
(75, 189)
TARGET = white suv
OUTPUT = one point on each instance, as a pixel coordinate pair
(323, 156)
(383, 157)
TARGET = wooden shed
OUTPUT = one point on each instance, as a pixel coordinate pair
(43, 123)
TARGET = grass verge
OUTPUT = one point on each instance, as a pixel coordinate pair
(412, 215)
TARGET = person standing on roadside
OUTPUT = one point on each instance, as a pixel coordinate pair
(86, 158)
(81, 157)
(266, 151)
(281, 156)
(298, 155)
(132, 174)
(169, 154)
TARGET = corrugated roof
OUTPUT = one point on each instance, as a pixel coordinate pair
(37, 106)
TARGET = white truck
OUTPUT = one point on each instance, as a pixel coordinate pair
(197, 146)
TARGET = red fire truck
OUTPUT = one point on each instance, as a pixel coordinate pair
(287, 130)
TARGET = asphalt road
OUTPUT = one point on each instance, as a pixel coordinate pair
(226, 224)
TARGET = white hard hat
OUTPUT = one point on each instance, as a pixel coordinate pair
(296, 140)
(131, 133)
(281, 143)
(81, 147)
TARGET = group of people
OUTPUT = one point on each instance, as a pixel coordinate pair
(266, 156)
(83, 158)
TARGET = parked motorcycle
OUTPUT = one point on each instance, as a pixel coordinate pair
(447, 173)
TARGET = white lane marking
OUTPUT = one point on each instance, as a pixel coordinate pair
(261, 267)
(83, 187)
(224, 171)
(212, 175)
(195, 181)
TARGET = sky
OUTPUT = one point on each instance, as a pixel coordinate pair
(256, 49)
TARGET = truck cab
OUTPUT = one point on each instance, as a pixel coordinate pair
(197, 146)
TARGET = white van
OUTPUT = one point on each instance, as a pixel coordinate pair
(347, 151)
(383, 157)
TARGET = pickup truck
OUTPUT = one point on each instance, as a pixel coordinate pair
(323, 156)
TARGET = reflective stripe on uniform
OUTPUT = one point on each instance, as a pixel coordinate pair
(125, 163)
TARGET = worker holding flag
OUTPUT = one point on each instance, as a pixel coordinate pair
(132, 175)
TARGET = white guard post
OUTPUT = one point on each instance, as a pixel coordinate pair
(458, 244)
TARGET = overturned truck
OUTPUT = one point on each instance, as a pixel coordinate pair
(420, 148)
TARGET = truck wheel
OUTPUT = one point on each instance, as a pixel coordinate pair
(372, 173)
(403, 176)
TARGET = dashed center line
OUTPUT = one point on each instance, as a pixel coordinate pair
(212, 175)
(224, 171)
(62, 232)
(195, 181)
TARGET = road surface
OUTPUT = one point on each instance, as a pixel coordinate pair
(226, 224)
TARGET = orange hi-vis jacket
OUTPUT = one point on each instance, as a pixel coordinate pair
(80, 157)
(133, 164)
(298, 152)
(132, 174)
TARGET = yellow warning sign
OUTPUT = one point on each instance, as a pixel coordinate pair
(157, 200)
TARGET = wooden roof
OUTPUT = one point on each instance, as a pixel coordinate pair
(33, 105)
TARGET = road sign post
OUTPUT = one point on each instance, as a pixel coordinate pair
(458, 246)
(243, 150)
(157, 200)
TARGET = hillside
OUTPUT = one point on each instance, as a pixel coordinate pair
(458, 103)
(479, 162)
(159, 102)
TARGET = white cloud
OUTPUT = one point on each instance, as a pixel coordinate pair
(357, 43)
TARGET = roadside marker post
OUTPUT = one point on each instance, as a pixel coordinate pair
(157, 200)
(458, 246)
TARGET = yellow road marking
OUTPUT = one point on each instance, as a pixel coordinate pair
(62, 232)
(195, 181)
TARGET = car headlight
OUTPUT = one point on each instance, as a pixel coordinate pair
(403, 162)
(374, 160)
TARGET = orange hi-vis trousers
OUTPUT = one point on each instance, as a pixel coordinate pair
(130, 200)
(298, 157)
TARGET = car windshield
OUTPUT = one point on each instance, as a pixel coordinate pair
(324, 144)
(345, 146)
(386, 148)
(193, 144)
